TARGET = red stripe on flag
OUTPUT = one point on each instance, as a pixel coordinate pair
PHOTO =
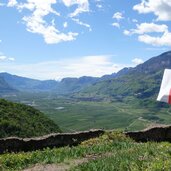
(169, 100)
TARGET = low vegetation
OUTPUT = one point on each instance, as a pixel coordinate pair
(23, 121)
(129, 112)
(113, 152)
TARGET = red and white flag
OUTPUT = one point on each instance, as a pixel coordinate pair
(165, 89)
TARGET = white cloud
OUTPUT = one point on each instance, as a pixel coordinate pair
(134, 20)
(100, 65)
(144, 28)
(116, 25)
(49, 32)
(2, 58)
(118, 16)
(36, 23)
(127, 32)
(164, 40)
(12, 3)
(5, 58)
(83, 6)
(148, 28)
(99, 6)
(82, 24)
(11, 59)
(65, 25)
(160, 8)
(137, 61)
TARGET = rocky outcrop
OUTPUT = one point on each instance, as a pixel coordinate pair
(14, 144)
(156, 134)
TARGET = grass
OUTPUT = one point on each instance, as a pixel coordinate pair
(125, 155)
(77, 115)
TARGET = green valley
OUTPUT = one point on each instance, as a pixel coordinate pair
(125, 100)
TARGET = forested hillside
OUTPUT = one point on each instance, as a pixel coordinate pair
(23, 121)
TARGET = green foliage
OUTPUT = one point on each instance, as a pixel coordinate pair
(113, 152)
(57, 155)
(23, 121)
(132, 157)
(76, 115)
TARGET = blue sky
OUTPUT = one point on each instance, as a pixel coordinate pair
(70, 38)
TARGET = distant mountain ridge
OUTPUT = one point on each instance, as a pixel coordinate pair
(144, 80)
(127, 81)
(27, 84)
(65, 86)
(5, 87)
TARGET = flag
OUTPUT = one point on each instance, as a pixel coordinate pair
(165, 89)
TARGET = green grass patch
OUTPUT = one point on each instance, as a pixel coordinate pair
(125, 154)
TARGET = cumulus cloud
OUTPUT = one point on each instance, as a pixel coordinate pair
(83, 6)
(12, 3)
(137, 61)
(160, 8)
(36, 21)
(147, 28)
(100, 65)
(144, 29)
(49, 32)
(164, 40)
(116, 25)
(118, 16)
(127, 32)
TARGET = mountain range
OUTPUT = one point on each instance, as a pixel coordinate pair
(143, 81)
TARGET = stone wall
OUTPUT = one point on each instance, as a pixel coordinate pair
(156, 134)
(14, 144)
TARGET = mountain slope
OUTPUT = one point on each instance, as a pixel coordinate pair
(4, 87)
(27, 84)
(23, 121)
(142, 81)
(71, 85)
(65, 86)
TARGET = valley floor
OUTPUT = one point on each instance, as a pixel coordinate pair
(78, 115)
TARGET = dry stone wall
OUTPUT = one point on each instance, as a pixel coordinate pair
(14, 144)
(156, 134)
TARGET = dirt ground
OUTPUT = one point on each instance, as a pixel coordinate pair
(67, 165)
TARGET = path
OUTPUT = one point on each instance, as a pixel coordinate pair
(67, 165)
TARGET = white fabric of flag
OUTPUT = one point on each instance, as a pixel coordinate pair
(165, 89)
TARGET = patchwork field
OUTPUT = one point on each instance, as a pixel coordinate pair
(73, 114)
